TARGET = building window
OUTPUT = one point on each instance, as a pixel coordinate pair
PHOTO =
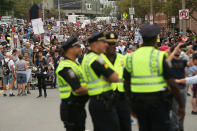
(88, 6)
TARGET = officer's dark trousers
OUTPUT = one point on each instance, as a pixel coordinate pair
(73, 116)
(103, 119)
(41, 85)
(123, 110)
(153, 115)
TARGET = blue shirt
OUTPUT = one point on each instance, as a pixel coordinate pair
(192, 70)
(1, 56)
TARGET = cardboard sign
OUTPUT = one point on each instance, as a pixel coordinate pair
(37, 26)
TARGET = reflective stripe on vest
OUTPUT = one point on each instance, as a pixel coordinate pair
(118, 67)
(96, 85)
(146, 68)
(64, 88)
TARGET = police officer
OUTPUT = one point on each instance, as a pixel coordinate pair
(41, 64)
(98, 77)
(147, 76)
(116, 61)
(73, 92)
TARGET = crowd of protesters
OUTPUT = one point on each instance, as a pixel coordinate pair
(28, 60)
(26, 53)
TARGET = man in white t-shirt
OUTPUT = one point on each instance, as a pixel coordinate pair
(8, 79)
(121, 48)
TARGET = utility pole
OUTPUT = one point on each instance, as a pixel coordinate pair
(59, 15)
(151, 20)
(43, 11)
(81, 6)
(59, 9)
(96, 6)
(131, 16)
(151, 7)
(183, 21)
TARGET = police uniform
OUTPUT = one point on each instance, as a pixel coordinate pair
(121, 102)
(69, 79)
(95, 70)
(147, 71)
(41, 75)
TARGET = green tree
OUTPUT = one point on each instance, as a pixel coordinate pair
(22, 7)
(6, 6)
(142, 7)
(51, 13)
(172, 8)
(107, 11)
(191, 4)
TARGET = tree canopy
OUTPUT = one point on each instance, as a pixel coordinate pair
(170, 7)
(6, 6)
(21, 7)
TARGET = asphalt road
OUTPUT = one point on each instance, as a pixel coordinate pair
(28, 113)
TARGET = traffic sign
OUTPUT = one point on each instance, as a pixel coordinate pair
(184, 14)
(173, 20)
(151, 19)
(185, 38)
(151, 16)
(131, 11)
(125, 15)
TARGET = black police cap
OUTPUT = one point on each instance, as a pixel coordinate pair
(111, 38)
(73, 41)
(98, 36)
(150, 31)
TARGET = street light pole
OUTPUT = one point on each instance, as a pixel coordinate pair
(43, 11)
(59, 9)
(81, 6)
(151, 7)
(151, 12)
(183, 21)
(96, 7)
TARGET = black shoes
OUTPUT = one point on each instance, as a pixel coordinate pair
(28, 92)
(194, 112)
(4, 94)
(39, 96)
(45, 95)
(24, 94)
(188, 94)
(11, 95)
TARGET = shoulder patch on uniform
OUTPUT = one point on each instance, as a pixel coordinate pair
(122, 63)
(106, 66)
(71, 73)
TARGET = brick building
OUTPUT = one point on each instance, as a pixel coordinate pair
(192, 24)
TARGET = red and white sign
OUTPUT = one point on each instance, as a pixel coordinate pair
(151, 19)
(184, 14)
(185, 38)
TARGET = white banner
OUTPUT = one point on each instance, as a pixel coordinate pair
(37, 26)
(46, 40)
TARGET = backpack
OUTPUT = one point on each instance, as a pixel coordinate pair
(6, 69)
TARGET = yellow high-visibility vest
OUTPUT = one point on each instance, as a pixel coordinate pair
(146, 68)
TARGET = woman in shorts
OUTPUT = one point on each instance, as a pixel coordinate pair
(21, 67)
